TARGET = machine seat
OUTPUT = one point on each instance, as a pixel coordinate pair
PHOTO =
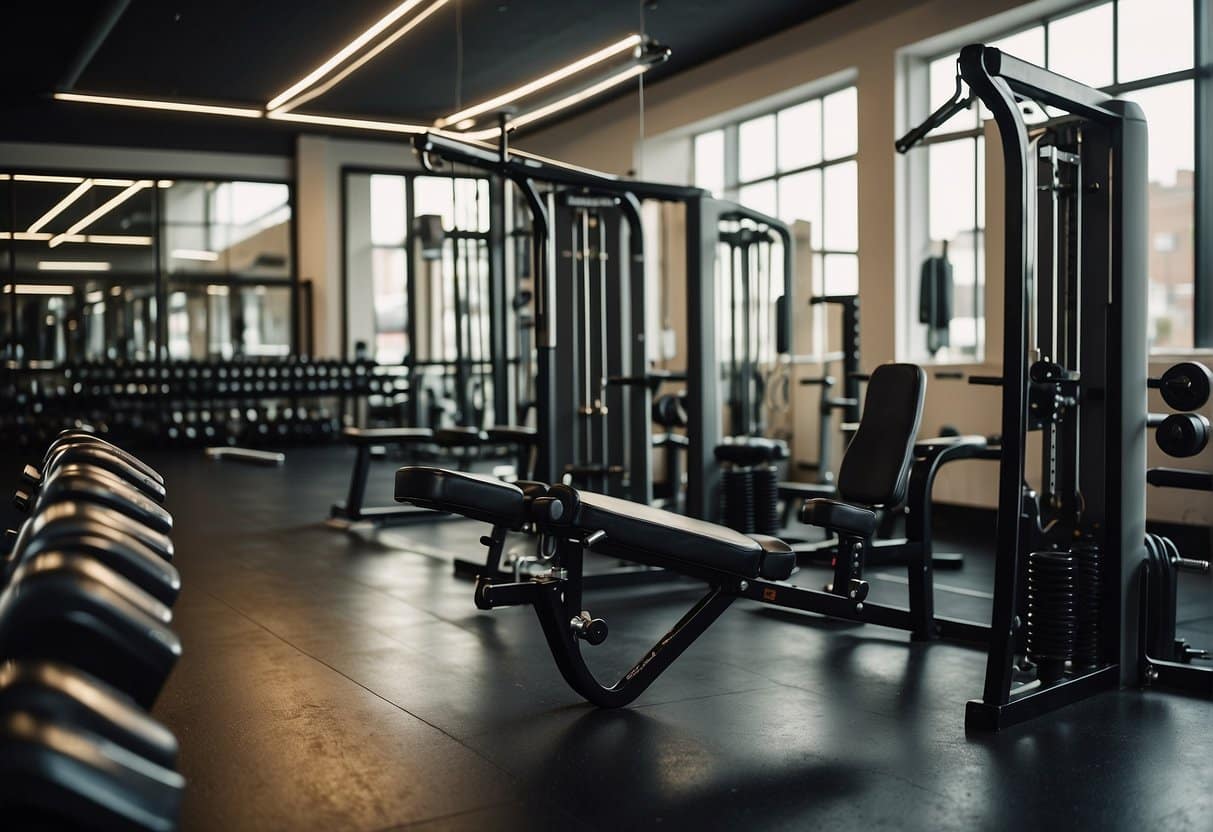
(839, 516)
(459, 437)
(477, 496)
(751, 450)
(384, 436)
(513, 434)
(661, 538)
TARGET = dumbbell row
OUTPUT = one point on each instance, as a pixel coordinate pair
(86, 643)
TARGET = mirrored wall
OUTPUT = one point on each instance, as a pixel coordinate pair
(142, 269)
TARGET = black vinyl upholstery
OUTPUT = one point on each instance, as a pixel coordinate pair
(844, 517)
(459, 437)
(666, 539)
(875, 470)
(386, 436)
(516, 434)
(477, 496)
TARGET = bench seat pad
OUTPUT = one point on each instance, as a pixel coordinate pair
(518, 434)
(380, 436)
(459, 437)
(663, 538)
(477, 496)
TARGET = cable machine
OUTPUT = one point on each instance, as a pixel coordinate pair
(1070, 549)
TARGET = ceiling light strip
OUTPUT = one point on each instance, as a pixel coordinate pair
(357, 123)
(357, 64)
(101, 211)
(156, 104)
(564, 103)
(62, 205)
(40, 177)
(72, 266)
(343, 54)
(630, 42)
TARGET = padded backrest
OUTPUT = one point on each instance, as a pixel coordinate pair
(875, 469)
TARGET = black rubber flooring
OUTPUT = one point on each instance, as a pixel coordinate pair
(340, 681)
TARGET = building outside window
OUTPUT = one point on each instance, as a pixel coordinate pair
(1141, 50)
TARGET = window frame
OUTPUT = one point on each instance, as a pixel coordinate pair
(1201, 76)
(733, 183)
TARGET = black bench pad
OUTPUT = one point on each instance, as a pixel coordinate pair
(384, 436)
(477, 496)
(459, 437)
(517, 434)
(843, 517)
(663, 538)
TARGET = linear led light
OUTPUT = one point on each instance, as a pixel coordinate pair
(25, 235)
(630, 42)
(73, 266)
(343, 54)
(40, 177)
(358, 123)
(109, 239)
(101, 210)
(39, 289)
(362, 59)
(156, 104)
(218, 290)
(195, 254)
(59, 207)
(564, 103)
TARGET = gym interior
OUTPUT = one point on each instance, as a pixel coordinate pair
(447, 415)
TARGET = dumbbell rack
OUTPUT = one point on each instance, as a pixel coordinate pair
(259, 401)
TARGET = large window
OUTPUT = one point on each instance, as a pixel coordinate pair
(791, 164)
(416, 254)
(104, 267)
(1142, 50)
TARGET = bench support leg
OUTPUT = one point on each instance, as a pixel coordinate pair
(556, 617)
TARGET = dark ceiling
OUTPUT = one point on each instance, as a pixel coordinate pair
(247, 51)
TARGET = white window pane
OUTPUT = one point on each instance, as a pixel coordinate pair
(981, 181)
(800, 135)
(1080, 46)
(433, 195)
(1028, 45)
(841, 274)
(953, 181)
(800, 199)
(760, 197)
(387, 210)
(842, 207)
(1170, 116)
(756, 148)
(841, 124)
(709, 161)
(1155, 37)
(942, 73)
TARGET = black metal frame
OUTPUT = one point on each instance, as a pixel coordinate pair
(704, 215)
(503, 401)
(1114, 332)
(557, 601)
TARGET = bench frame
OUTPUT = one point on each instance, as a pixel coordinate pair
(557, 601)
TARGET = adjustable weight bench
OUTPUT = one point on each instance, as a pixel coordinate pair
(733, 565)
(345, 514)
